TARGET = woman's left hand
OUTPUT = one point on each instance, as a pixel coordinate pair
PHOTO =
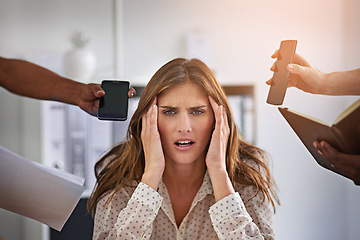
(216, 155)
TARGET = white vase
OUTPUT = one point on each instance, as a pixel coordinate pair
(80, 64)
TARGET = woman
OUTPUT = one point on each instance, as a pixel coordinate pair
(183, 172)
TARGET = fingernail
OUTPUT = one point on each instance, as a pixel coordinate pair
(291, 67)
(314, 144)
(320, 152)
(100, 91)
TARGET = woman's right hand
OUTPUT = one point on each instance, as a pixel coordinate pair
(154, 155)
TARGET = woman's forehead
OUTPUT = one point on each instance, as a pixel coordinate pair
(186, 92)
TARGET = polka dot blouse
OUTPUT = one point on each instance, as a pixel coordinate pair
(147, 214)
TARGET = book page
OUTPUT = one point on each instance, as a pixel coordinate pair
(38, 192)
(347, 111)
(309, 117)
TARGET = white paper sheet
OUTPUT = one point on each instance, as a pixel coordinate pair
(30, 189)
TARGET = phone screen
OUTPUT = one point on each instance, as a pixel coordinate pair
(114, 104)
(281, 74)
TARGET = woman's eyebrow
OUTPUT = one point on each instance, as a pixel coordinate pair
(197, 107)
(168, 107)
(193, 107)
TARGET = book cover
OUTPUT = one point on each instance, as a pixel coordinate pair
(343, 134)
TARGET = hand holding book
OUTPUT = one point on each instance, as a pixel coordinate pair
(349, 164)
(342, 155)
(337, 141)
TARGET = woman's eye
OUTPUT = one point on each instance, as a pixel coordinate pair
(197, 112)
(169, 112)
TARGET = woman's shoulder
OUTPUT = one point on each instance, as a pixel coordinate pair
(119, 195)
(245, 190)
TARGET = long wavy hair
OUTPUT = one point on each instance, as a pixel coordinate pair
(124, 164)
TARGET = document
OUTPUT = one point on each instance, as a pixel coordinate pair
(44, 194)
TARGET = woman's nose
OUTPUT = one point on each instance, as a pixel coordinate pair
(184, 123)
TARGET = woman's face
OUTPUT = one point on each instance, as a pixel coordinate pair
(185, 122)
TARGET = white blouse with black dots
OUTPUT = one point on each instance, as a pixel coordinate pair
(147, 214)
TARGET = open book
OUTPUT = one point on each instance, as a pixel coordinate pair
(343, 134)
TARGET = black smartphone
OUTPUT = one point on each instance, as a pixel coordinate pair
(114, 104)
(281, 74)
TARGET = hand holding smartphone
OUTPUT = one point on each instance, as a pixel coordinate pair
(281, 74)
(114, 104)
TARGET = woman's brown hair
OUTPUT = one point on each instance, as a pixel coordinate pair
(124, 164)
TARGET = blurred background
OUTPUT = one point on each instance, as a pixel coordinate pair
(132, 39)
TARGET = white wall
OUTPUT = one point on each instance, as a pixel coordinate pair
(39, 30)
(315, 204)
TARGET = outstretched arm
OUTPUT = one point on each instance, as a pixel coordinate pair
(30, 80)
(312, 80)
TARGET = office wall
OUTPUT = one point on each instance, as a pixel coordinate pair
(40, 30)
(351, 61)
(316, 204)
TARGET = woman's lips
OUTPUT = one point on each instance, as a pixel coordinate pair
(184, 145)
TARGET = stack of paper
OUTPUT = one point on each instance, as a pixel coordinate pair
(45, 194)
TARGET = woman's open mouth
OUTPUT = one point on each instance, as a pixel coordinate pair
(184, 143)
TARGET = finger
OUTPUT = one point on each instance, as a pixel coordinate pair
(293, 80)
(96, 104)
(275, 54)
(341, 161)
(153, 116)
(225, 120)
(301, 61)
(296, 71)
(332, 155)
(339, 158)
(303, 72)
(220, 117)
(224, 115)
(327, 150)
(153, 119)
(291, 68)
(269, 82)
(132, 92)
(322, 149)
(323, 152)
(97, 90)
(316, 144)
(146, 118)
(214, 106)
(273, 67)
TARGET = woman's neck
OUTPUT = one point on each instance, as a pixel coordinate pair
(184, 177)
